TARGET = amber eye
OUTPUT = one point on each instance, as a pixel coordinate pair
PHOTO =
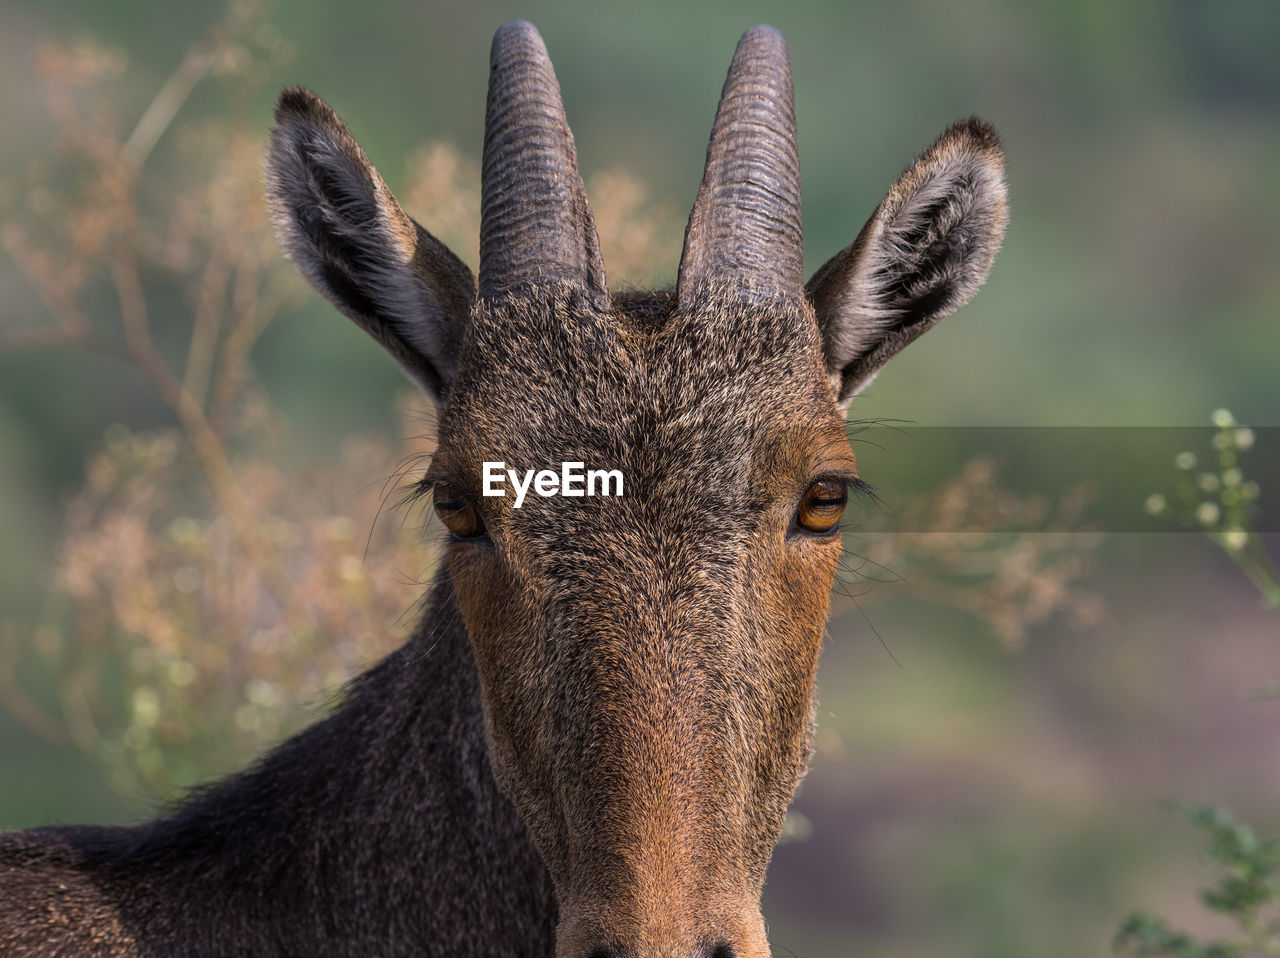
(823, 504)
(458, 515)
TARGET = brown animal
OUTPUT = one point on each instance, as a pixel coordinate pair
(589, 745)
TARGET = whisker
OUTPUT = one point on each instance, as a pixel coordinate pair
(876, 632)
(896, 576)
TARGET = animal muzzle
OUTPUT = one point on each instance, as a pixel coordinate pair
(721, 948)
(662, 929)
(718, 950)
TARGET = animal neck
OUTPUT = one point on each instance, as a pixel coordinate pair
(382, 824)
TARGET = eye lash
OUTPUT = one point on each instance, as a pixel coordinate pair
(857, 485)
(863, 491)
(423, 488)
(419, 490)
(854, 483)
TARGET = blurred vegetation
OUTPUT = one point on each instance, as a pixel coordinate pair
(200, 595)
(200, 462)
(1221, 502)
(1248, 894)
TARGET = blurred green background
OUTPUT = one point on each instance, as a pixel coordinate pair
(966, 799)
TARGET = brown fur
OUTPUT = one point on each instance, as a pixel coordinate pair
(641, 668)
(648, 661)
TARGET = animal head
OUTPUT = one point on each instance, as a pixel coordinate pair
(647, 660)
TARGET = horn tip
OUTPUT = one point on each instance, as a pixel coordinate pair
(763, 30)
(517, 33)
(763, 36)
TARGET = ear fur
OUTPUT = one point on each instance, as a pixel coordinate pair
(923, 253)
(338, 221)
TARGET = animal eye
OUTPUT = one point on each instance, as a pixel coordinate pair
(458, 515)
(822, 506)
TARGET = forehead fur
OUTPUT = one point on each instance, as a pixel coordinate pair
(548, 377)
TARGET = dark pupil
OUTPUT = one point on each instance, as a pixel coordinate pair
(457, 516)
(826, 497)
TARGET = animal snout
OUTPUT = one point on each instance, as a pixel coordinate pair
(720, 949)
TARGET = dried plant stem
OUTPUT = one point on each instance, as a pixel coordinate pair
(208, 323)
(205, 441)
(61, 337)
(160, 113)
(253, 314)
(74, 696)
(25, 708)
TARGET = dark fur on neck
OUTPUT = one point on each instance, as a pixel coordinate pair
(378, 831)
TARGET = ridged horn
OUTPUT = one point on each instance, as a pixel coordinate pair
(745, 224)
(535, 225)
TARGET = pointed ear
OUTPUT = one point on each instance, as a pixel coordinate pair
(338, 221)
(925, 251)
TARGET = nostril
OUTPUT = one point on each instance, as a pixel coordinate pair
(722, 950)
